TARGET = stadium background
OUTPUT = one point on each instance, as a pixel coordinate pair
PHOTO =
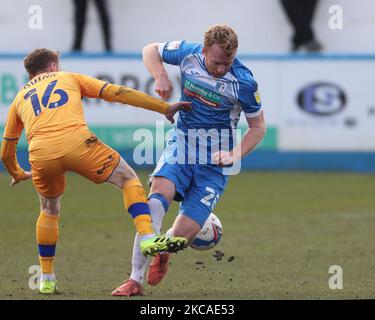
(319, 109)
(320, 112)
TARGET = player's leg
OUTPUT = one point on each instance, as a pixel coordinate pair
(186, 225)
(49, 181)
(169, 181)
(183, 224)
(100, 163)
(161, 195)
(136, 203)
(47, 234)
(207, 186)
(206, 189)
(125, 178)
(164, 181)
(180, 176)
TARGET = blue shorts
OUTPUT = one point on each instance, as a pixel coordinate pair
(198, 187)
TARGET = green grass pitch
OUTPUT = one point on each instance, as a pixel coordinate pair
(284, 231)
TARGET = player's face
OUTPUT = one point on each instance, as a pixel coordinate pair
(216, 60)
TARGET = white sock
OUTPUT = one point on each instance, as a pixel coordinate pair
(139, 261)
(157, 213)
(146, 236)
(47, 276)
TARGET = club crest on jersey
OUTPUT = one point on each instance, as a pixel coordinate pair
(220, 87)
(174, 45)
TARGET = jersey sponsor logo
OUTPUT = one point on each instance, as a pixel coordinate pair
(257, 96)
(174, 45)
(220, 87)
(204, 95)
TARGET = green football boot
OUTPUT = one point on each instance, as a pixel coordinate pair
(160, 243)
(48, 286)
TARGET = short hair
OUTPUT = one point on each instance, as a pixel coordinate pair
(39, 60)
(223, 35)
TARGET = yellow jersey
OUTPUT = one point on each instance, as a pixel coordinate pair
(50, 109)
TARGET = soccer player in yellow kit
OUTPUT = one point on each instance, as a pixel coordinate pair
(50, 109)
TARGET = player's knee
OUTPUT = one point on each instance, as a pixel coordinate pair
(50, 207)
(188, 234)
(122, 174)
(163, 186)
(185, 226)
(125, 176)
(129, 175)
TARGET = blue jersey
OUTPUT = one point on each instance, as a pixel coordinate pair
(217, 102)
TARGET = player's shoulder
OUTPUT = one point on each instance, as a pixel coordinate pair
(243, 74)
(66, 74)
(20, 94)
(68, 77)
(182, 46)
(193, 47)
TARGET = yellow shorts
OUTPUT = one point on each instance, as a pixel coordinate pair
(92, 159)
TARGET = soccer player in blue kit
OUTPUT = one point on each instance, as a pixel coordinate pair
(220, 87)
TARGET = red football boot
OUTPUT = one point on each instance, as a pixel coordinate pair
(129, 288)
(158, 269)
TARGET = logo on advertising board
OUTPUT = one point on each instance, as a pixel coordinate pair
(322, 99)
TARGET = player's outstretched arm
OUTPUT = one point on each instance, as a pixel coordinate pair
(174, 107)
(125, 95)
(8, 157)
(154, 64)
(95, 88)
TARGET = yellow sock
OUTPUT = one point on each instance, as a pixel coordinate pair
(136, 203)
(47, 234)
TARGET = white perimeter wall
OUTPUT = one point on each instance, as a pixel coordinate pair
(261, 24)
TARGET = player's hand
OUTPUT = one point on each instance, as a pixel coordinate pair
(163, 87)
(223, 158)
(26, 177)
(174, 107)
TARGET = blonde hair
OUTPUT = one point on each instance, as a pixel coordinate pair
(223, 35)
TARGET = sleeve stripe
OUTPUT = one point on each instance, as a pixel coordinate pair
(253, 114)
(10, 139)
(161, 48)
(101, 90)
